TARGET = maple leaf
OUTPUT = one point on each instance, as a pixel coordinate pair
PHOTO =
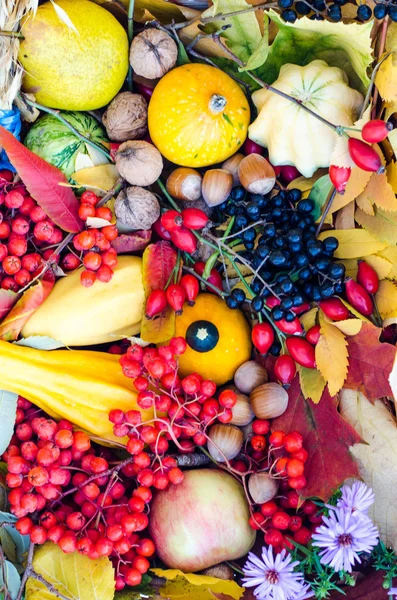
(354, 243)
(386, 299)
(331, 356)
(377, 459)
(370, 363)
(326, 436)
(158, 263)
(382, 226)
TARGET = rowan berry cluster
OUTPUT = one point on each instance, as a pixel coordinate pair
(63, 489)
(27, 235)
(286, 516)
(187, 406)
(97, 254)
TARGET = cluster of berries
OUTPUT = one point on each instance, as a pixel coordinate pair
(187, 405)
(322, 9)
(97, 255)
(27, 235)
(286, 515)
(301, 346)
(63, 489)
(178, 227)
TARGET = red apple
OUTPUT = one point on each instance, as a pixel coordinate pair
(201, 522)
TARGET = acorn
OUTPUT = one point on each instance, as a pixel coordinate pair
(250, 375)
(184, 184)
(225, 442)
(269, 401)
(256, 174)
(217, 185)
(232, 165)
(262, 487)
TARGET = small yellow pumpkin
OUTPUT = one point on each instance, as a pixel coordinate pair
(198, 116)
(218, 338)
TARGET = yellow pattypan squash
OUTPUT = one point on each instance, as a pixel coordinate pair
(218, 338)
(292, 135)
(105, 312)
(198, 116)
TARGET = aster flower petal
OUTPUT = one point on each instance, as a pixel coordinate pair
(342, 537)
(393, 592)
(273, 577)
(357, 498)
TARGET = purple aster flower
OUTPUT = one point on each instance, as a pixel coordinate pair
(393, 592)
(357, 498)
(343, 536)
(274, 577)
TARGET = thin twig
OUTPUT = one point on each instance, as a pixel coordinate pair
(326, 210)
(13, 34)
(371, 85)
(52, 589)
(4, 574)
(55, 113)
(27, 571)
(220, 16)
(112, 192)
(207, 283)
(382, 43)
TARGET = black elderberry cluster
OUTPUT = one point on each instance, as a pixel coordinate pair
(320, 9)
(280, 244)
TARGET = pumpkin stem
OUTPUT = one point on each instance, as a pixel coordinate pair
(217, 103)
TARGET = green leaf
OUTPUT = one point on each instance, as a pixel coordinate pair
(11, 579)
(40, 342)
(8, 411)
(13, 543)
(347, 46)
(319, 194)
(258, 57)
(244, 35)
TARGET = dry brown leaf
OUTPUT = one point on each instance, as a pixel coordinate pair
(345, 217)
(377, 459)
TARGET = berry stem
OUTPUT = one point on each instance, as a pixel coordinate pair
(55, 113)
(326, 210)
(112, 192)
(367, 98)
(207, 283)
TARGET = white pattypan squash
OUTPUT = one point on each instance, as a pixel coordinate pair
(292, 135)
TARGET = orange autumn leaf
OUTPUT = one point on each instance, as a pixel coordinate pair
(12, 325)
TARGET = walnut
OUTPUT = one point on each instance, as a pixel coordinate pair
(139, 162)
(136, 208)
(126, 117)
(153, 53)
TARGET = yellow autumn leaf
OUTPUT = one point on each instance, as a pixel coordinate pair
(75, 576)
(364, 202)
(354, 311)
(356, 184)
(351, 267)
(186, 586)
(308, 319)
(391, 171)
(312, 384)
(386, 298)
(353, 243)
(379, 191)
(382, 226)
(390, 253)
(377, 459)
(332, 356)
(386, 79)
(101, 177)
(392, 137)
(347, 326)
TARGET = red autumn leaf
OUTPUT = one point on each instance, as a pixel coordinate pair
(327, 438)
(43, 183)
(24, 308)
(7, 301)
(370, 363)
(132, 242)
(159, 262)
